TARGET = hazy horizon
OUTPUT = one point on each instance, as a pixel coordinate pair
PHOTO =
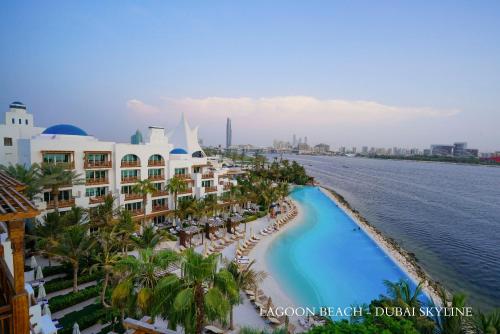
(344, 73)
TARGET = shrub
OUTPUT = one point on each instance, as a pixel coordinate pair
(86, 317)
(61, 302)
(64, 283)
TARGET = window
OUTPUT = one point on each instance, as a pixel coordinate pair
(180, 171)
(95, 192)
(155, 172)
(96, 174)
(7, 141)
(13, 121)
(127, 190)
(205, 184)
(56, 157)
(130, 173)
(133, 206)
(26, 121)
(20, 121)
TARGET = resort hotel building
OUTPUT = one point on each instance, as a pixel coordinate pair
(113, 168)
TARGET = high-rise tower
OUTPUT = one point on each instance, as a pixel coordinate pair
(229, 133)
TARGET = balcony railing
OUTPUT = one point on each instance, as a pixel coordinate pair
(127, 164)
(159, 193)
(157, 208)
(183, 176)
(65, 203)
(187, 191)
(132, 196)
(96, 199)
(97, 164)
(101, 180)
(136, 212)
(7, 290)
(156, 163)
(65, 165)
(210, 189)
(207, 176)
(130, 179)
(156, 177)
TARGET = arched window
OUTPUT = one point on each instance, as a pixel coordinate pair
(198, 154)
(156, 160)
(131, 160)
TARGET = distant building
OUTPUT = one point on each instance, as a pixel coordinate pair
(364, 150)
(353, 150)
(342, 149)
(229, 133)
(427, 152)
(322, 148)
(136, 138)
(442, 150)
(294, 142)
(305, 140)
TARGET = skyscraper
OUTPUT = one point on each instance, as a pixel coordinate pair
(136, 138)
(229, 133)
(294, 143)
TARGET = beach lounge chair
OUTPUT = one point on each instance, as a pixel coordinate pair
(213, 329)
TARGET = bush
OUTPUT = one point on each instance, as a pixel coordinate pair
(86, 317)
(61, 302)
(55, 270)
(64, 283)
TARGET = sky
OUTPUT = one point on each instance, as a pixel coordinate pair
(346, 73)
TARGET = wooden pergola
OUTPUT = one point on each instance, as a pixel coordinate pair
(14, 209)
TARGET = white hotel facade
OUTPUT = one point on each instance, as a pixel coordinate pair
(109, 167)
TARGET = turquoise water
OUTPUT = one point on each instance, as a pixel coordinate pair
(324, 260)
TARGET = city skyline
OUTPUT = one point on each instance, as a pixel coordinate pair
(376, 74)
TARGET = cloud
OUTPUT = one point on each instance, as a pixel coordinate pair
(274, 116)
(141, 107)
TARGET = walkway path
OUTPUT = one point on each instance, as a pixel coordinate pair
(68, 290)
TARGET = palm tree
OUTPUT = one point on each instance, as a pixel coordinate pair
(186, 207)
(106, 256)
(211, 204)
(46, 233)
(403, 294)
(201, 294)
(246, 279)
(487, 323)
(71, 245)
(54, 177)
(149, 238)
(104, 213)
(28, 176)
(76, 215)
(174, 186)
(144, 188)
(447, 324)
(143, 273)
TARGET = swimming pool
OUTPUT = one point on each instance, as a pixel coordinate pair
(325, 260)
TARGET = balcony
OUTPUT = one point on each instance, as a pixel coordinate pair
(97, 164)
(130, 179)
(210, 189)
(159, 193)
(187, 191)
(65, 164)
(91, 182)
(156, 163)
(137, 212)
(129, 164)
(132, 196)
(207, 176)
(96, 199)
(156, 177)
(158, 208)
(183, 176)
(65, 203)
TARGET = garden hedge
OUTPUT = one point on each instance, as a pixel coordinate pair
(64, 301)
(64, 283)
(86, 317)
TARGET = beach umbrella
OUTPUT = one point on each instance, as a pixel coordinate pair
(33, 263)
(41, 292)
(39, 273)
(46, 311)
(269, 304)
(76, 329)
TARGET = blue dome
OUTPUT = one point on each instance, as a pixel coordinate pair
(64, 129)
(178, 151)
(17, 104)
